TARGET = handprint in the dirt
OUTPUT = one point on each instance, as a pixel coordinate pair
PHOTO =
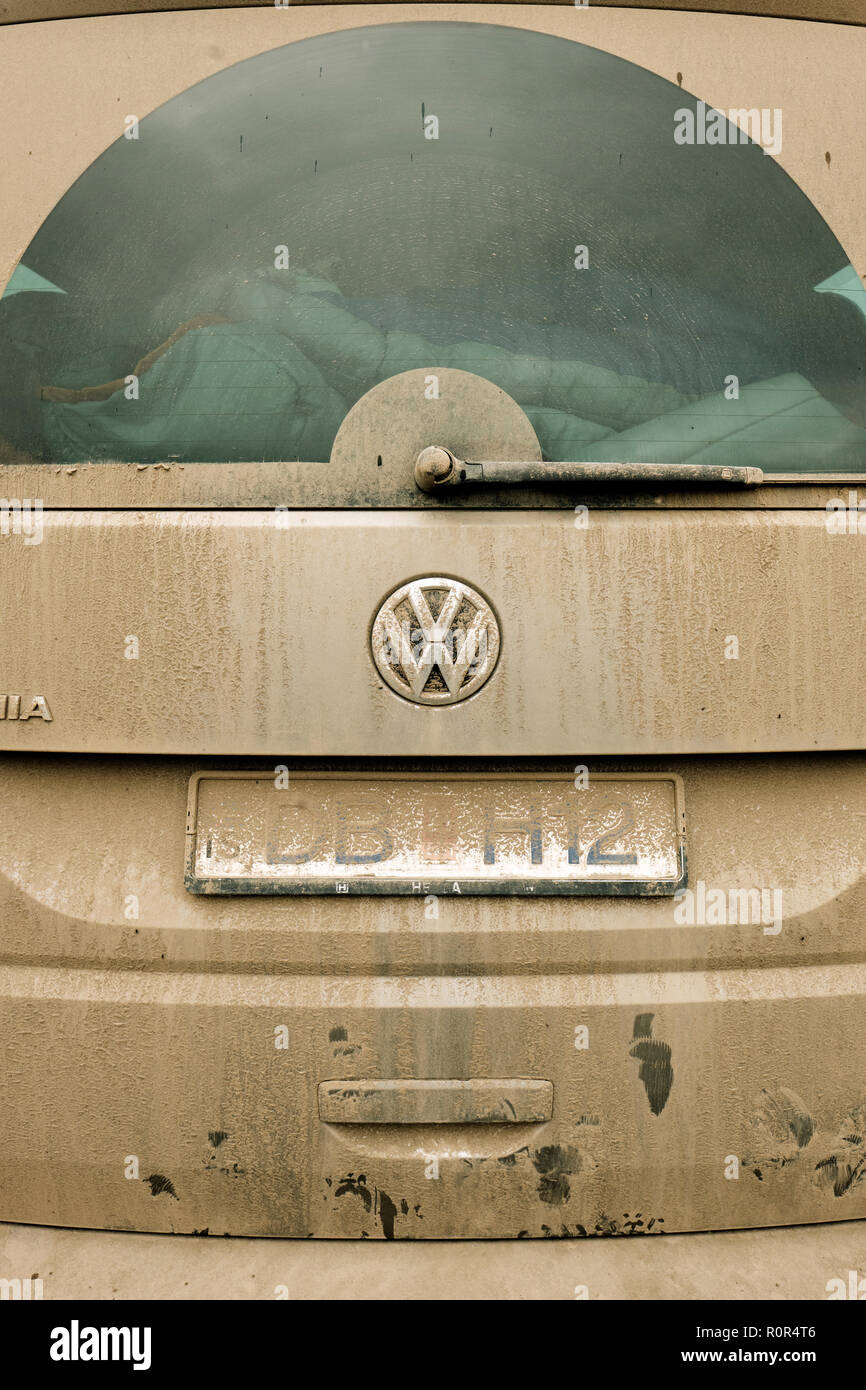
(656, 1071)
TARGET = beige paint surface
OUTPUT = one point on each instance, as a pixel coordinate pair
(846, 11)
(776, 1264)
(253, 632)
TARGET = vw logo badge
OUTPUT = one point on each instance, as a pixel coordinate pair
(435, 641)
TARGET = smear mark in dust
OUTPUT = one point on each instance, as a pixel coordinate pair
(159, 1184)
(338, 1035)
(786, 1138)
(784, 1115)
(604, 1226)
(387, 1213)
(655, 1071)
(357, 1186)
(555, 1164)
(843, 1164)
(840, 1172)
(375, 1201)
(217, 1136)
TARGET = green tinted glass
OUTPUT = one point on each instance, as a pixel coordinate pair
(283, 236)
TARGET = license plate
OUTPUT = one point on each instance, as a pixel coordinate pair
(420, 833)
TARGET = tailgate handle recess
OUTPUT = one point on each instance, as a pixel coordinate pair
(469, 1102)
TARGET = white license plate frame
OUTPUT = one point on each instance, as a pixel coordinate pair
(543, 834)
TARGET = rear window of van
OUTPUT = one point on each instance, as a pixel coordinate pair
(243, 264)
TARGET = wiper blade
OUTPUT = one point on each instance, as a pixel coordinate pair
(438, 469)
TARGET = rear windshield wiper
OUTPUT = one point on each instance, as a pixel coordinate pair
(437, 469)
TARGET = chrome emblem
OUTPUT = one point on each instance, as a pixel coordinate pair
(435, 641)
